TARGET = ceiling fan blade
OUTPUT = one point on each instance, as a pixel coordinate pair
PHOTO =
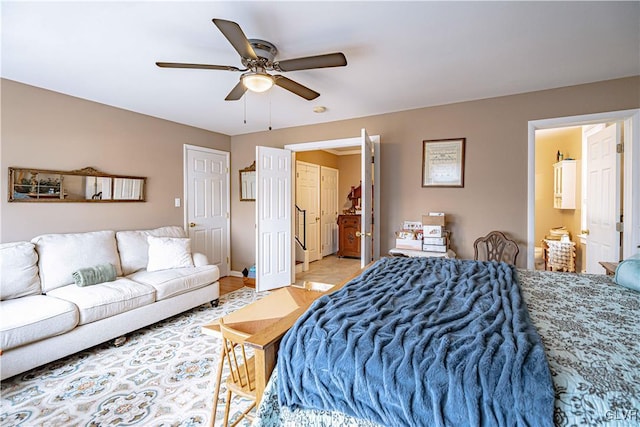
(237, 92)
(236, 37)
(198, 66)
(296, 88)
(319, 61)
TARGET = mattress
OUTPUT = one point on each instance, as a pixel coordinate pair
(589, 330)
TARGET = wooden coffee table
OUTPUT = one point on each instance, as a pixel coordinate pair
(267, 320)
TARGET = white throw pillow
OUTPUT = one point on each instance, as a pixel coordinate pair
(59, 255)
(169, 252)
(134, 248)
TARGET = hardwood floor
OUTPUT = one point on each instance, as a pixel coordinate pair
(330, 269)
(230, 284)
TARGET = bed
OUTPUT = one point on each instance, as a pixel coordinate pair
(585, 326)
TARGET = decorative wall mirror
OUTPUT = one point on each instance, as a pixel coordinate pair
(248, 183)
(82, 185)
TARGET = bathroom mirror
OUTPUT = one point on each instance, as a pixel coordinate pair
(83, 185)
(248, 183)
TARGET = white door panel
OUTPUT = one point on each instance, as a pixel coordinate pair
(207, 204)
(329, 210)
(603, 198)
(274, 209)
(308, 199)
(366, 201)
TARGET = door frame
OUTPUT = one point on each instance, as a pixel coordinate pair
(185, 192)
(631, 193)
(345, 143)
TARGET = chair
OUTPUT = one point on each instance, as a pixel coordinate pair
(242, 377)
(495, 246)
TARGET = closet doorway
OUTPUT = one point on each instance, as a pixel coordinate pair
(600, 188)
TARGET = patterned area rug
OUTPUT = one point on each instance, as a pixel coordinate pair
(162, 376)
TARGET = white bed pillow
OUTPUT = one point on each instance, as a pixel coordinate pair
(169, 252)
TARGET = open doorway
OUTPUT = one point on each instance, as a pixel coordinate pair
(351, 159)
(323, 180)
(338, 170)
(588, 126)
(575, 189)
(275, 252)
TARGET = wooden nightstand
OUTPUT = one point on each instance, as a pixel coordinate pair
(609, 267)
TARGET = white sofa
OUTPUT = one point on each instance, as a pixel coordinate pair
(44, 315)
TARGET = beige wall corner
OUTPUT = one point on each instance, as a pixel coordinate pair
(49, 130)
(495, 193)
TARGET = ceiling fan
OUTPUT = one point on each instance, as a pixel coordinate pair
(257, 57)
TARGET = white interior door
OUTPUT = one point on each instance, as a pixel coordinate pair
(329, 210)
(376, 196)
(366, 200)
(308, 199)
(603, 198)
(207, 203)
(274, 211)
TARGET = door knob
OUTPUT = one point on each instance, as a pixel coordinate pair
(359, 234)
(585, 232)
(192, 224)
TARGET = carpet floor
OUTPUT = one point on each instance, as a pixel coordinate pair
(162, 376)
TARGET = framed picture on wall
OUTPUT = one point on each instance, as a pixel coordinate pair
(443, 162)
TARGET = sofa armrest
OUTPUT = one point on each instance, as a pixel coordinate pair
(199, 259)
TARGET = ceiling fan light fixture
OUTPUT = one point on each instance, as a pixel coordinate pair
(257, 82)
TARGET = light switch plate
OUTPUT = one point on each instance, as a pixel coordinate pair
(177, 202)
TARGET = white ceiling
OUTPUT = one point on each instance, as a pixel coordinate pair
(401, 55)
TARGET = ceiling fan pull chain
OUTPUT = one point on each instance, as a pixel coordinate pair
(245, 109)
(269, 111)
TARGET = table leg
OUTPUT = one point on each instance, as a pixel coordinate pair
(265, 362)
(217, 390)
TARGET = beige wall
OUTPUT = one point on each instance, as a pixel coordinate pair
(48, 130)
(318, 157)
(495, 193)
(43, 129)
(349, 176)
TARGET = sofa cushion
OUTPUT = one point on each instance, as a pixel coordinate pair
(19, 267)
(105, 299)
(169, 283)
(134, 248)
(62, 254)
(33, 318)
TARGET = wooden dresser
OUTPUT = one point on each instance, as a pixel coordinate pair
(348, 242)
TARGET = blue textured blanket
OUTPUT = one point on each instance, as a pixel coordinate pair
(421, 341)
